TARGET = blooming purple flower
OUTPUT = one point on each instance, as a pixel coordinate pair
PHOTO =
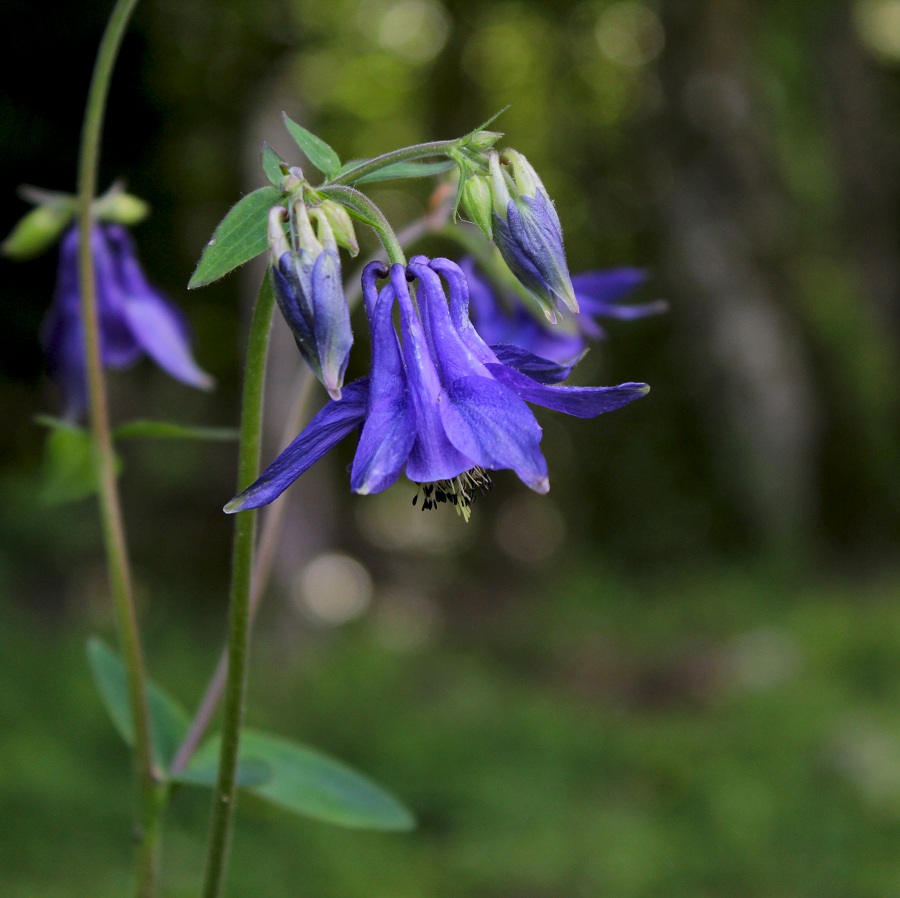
(134, 318)
(503, 325)
(438, 404)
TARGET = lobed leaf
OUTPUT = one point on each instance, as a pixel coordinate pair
(240, 237)
(316, 150)
(168, 720)
(271, 163)
(307, 782)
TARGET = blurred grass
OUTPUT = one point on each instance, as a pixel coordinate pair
(726, 732)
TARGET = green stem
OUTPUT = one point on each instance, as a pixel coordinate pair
(364, 210)
(150, 794)
(241, 578)
(407, 154)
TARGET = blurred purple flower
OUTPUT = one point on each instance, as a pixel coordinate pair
(438, 402)
(509, 323)
(134, 317)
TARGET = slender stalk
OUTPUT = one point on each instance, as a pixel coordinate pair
(407, 154)
(150, 794)
(265, 555)
(241, 578)
(362, 208)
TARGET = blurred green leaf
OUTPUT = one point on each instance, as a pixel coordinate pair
(271, 163)
(317, 151)
(168, 720)
(205, 771)
(68, 473)
(167, 430)
(406, 170)
(240, 237)
(310, 783)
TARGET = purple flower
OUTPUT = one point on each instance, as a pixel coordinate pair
(438, 403)
(504, 324)
(134, 318)
(528, 233)
(306, 274)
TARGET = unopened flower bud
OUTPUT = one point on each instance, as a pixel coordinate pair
(483, 140)
(306, 274)
(528, 233)
(477, 202)
(38, 230)
(121, 208)
(341, 225)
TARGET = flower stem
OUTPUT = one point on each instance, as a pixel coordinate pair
(241, 577)
(150, 792)
(407, 154)
(364, 210)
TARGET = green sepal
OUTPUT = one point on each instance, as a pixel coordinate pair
(273, 165)
(240, 237)
(308, 783)
(38, 229)
(68, 468)
(316, 150)
(168, 720)
(167, 430)
(357, 204)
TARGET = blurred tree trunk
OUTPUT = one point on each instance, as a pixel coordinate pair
(867, 164)
(724, 227)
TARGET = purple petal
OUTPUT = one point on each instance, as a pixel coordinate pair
(331, 321)
(433, 456)
(582, 402)
(390, 429)
(323, 433)
(545, 371)
(492, 426)
(157, 327)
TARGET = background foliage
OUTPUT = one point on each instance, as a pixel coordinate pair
(676, 674)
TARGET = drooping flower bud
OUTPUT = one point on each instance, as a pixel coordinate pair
(122, 208)
(306, 273)
(38, 230)
(477, 202)
(528, 233)
(341, 225)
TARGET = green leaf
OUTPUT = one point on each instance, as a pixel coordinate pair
(167, 430)
(168, 720)
(205, 772)
(271, 163)
(406, 170)
(317, 151)
(312, 784)
(69, 472)
(240, 237)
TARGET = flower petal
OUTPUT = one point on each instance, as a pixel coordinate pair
(492, 426)
(545, 371)
(323, 433)
(582, 402)
(390, 429)
(433, 456)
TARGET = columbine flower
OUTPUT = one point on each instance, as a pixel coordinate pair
(134, 318)
(307, 277)
(528, 233)
(510, 323)
(438, 403)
